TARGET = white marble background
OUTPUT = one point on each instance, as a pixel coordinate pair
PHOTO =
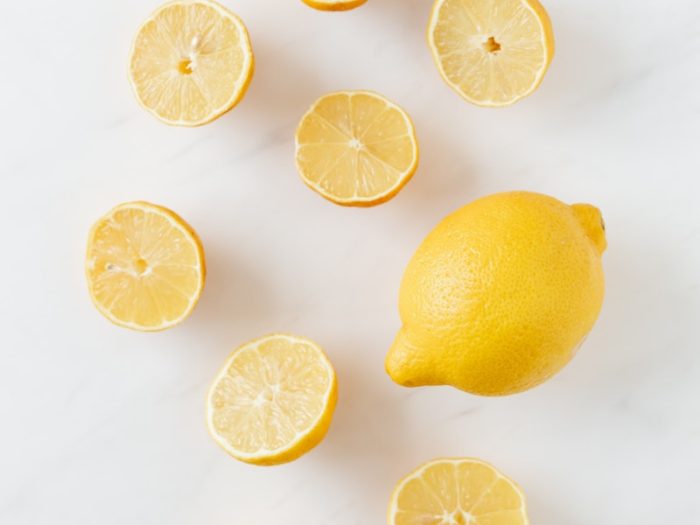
(103, 425)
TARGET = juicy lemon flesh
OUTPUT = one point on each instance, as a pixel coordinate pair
(457, 492)
(334, 5)
(191, 62)
(273, 401)
(356, 148)
(492, 52)
(145, 267)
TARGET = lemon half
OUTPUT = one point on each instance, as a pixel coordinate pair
(458, 491)
(191, 62)
(273, 400)
(356, 148)
(145, 266)
(491, 52)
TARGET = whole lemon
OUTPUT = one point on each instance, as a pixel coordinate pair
(500, 295)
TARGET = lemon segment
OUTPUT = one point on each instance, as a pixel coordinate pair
(191, 62)
(355, 148)
(273, 400)
(145, 267)
(460, 491)
(334, 5)
(491, 52)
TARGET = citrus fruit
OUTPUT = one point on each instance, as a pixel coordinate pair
(273, 400)
(500, 295)
(191, 62)
(356, 148)
(334, 5)
(491, 52)
(459, 491)
(145, 266)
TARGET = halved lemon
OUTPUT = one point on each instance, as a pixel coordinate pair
(334, 5)
(356, 148)
(145, 266)
(191, 62)
(273, 400)
(460, 491)
(491, 52)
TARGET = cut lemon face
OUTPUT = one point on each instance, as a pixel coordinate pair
(459, 491)
(191, 62)
(334, 5)
(356, 148)
(491, 52)
(145, 267)
(273, 400)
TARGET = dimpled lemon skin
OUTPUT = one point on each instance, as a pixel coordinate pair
(500, 295)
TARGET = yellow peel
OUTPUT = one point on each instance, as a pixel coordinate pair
(334, 5)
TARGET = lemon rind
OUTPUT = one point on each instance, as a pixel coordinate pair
(338, 5)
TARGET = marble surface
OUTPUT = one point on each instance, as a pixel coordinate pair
(103, 425)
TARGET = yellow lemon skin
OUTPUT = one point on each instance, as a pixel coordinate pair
(331, 5)
(500, 295)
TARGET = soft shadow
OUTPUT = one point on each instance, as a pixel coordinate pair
(411, 15)
(283, 87)
(585, 67)
(235, 299)
(364, 443)
(546, 511)
(445, 177)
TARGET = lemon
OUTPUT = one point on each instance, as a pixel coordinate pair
(491, 52)
(356, 148)
(273, 400)
(191, 62)
(145, 266)
(334, 5)
(459, 491)
(500, 295)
